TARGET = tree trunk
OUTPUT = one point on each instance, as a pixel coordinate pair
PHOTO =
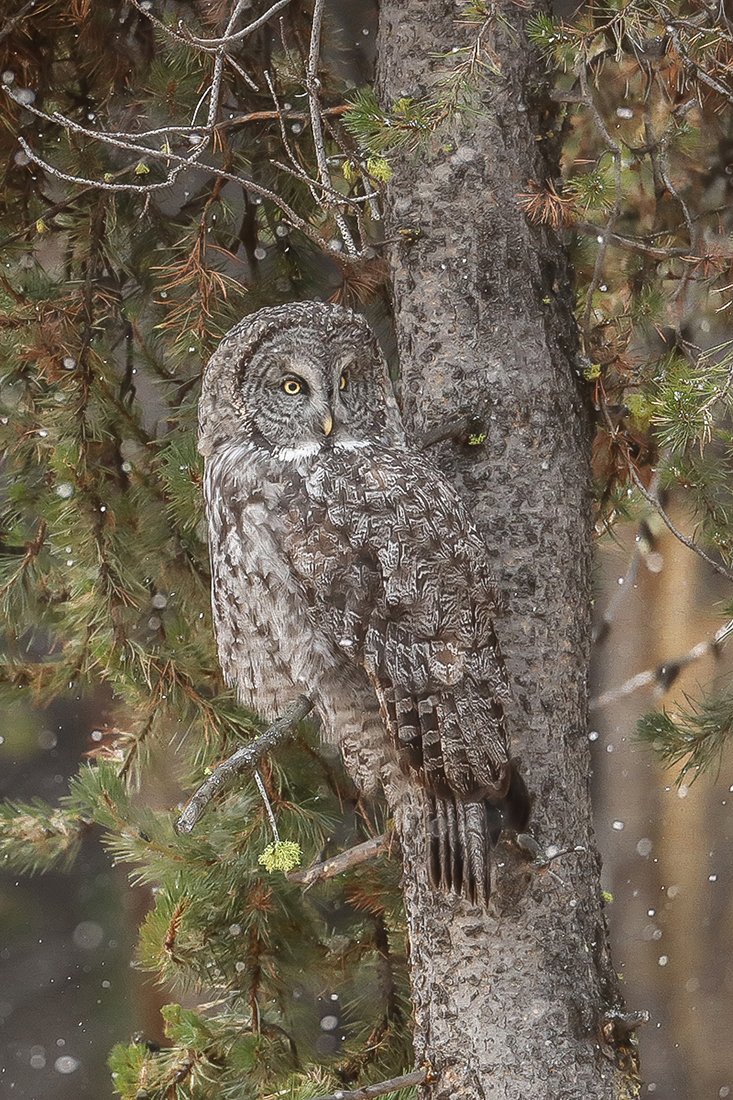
(514, 1002)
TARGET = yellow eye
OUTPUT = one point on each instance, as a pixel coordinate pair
(343, 381)
(292, 386)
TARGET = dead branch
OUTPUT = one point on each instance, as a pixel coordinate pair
(344, 861)
(417, 1077)
(664, 675)
(243, 760)
(675, 531)
(313, 86)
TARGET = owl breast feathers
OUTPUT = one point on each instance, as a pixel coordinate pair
(345, 568)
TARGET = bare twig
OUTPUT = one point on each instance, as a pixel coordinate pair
(344, 861)
(665, 674)
(313, 86)
(371, 194)
(244, 759)
(15, 19)
(129, 142)
(395, 1084)
(295, 116)
(268, 806)
(130, 136)
(634, 244)
(106, 185)
(299, 174)
(182, 163)
(208, 45)
(229, 37)
(615, 150)
(675, 531)
(285, 140)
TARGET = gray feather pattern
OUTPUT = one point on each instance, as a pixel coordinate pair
(346, 568)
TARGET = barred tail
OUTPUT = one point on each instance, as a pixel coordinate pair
(462, 834)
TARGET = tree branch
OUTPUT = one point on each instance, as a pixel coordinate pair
(268, 806)
(650, 499)
(633, 244)
(699, 71)
(244, 759)
(665, 674)
(344, 861)
(313, 85)
(15, 19)
(211, 45)
(417, 1077)
(675, 531)
(615, 150)
(182, 163)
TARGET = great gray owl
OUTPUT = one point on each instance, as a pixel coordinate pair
(345, 568)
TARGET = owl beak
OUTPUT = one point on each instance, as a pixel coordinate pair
(327, 423)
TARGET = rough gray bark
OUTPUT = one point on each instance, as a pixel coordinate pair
(512, 1003)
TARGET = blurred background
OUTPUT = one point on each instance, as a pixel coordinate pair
(667, 853)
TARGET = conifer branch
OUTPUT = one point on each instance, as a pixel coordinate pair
(106, 185)
(244, 759)
(181, 164)
(344, 861)
(32, 550)
(650, 499)
(147, 188)
(675, 530)
(689, 63)
(696, 738)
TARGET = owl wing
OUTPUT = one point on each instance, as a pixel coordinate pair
(410, 597)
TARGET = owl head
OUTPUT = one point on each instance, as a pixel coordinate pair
(298, 378)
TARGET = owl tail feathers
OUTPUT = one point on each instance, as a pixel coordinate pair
(460, 846)
(462, 835)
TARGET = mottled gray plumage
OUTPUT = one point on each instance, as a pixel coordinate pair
(346, 568)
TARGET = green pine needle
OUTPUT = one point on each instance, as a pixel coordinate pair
(695, 738)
